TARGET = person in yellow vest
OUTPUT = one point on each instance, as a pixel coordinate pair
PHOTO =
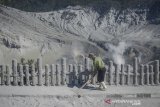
(99, 66)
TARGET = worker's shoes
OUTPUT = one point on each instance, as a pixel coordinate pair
(102, 86)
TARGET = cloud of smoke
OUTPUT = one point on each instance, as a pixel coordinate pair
(117, 52)
(77, 52)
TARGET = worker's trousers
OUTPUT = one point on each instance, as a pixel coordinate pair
(101, 74)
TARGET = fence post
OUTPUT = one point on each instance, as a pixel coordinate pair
(152, 74)
(147, 74)
(27, 74)
(70, 73)
(79, 74)
(94, 79)
(33, 75)
(8, 74)
(2, 75)
(117, 68)
(21, 74)
(122, 74)
(135, 70)
(86, 65)
(52, 75)
(128, 74)
(47, 75)
(58, 75)
(110, 72)
(64, 70)
(39, 65)
(75, 74)
(14, 69)
(142, 74)
(157, 72)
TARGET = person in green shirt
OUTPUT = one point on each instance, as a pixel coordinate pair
(99, 66)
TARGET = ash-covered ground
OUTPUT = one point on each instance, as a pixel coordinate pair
(119, 35)
(73, 32)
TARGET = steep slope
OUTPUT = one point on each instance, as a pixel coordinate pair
(88, 23)
(23, 35)
(131, 26)
(78, 30)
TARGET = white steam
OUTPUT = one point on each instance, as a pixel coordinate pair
(117, 52)
(77, 52)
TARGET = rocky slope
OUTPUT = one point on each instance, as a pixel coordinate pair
(24, 35)
(68, 32)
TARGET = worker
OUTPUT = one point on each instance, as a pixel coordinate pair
(99, 66)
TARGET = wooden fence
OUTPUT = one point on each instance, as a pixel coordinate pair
(72, 74)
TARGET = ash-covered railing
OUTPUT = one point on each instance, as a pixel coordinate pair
(73, 74)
